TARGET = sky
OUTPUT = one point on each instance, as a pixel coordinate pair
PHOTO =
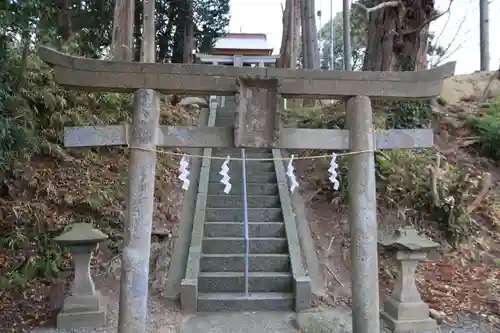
(458, 31)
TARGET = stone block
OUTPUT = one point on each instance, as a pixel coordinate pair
(83, 311)
(189, 295)
(404, 310)
(85, 307)
(303, 293)
(417, 324)
(258, 121)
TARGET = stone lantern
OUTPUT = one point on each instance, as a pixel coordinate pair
(404, 309)
(85, 306)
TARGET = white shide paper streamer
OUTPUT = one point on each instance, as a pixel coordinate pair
(184, 173)
(289, 172)
(333, 171)
(224, 169)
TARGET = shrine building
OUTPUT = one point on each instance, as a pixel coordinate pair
(240, 50)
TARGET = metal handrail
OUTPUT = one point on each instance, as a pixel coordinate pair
(245, 215)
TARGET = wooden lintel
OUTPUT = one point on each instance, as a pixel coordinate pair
(223, 137)
(119, 76)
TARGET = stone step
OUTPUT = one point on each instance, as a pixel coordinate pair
(239, 302)
(238, 215)
(225, 121)
(257, 262)
(218, 245)
(257, 157)
(251, 166)
(236, 152)
(236, 176)
(237, 229)
(216, 188)
(234, 282)
(236, 201)
(230, 103)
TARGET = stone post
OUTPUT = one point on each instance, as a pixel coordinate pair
(85, 307)
(362, 216)
(404, 309)
(237, 60)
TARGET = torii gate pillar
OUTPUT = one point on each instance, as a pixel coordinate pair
(363, 216)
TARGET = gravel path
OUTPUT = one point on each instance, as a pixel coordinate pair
(467, 324)
(164, 318)
(338, 320)
(463, 325)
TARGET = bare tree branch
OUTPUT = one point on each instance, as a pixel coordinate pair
(428, 21)
(397, 4)
(486, 184)
(456, 33)
(436, 41)
(377, 7)
(448, 54)
(446, 51)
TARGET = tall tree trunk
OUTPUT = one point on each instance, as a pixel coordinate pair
(138, 29)
(397, 36)
(166, 36)
(309, 39)
(188, 33)
(179, 23)
(64, 17)
(296, 33)
(123, 26)
(24, 61)
(284, 60)
(313, 35)
(309, 35)
(304, 32)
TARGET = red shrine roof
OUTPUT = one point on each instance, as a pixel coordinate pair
(242, 43)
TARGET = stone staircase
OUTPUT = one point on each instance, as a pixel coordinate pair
(219, 276)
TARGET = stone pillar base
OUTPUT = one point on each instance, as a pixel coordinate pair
(401, 326)
(189, 296)
(407, 316)
(83, 311)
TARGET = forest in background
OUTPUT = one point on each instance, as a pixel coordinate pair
(44, 187)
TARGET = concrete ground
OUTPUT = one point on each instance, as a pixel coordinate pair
(240, 322)
(314, 321)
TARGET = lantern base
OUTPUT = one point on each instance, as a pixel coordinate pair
(83, 311)
(407, 316)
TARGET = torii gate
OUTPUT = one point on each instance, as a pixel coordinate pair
(259, 126)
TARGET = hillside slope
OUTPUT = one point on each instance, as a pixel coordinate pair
(45, 187)
(456, 203)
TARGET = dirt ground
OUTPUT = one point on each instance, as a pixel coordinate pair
(163, 316)
(330, 231)
(457, 283)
